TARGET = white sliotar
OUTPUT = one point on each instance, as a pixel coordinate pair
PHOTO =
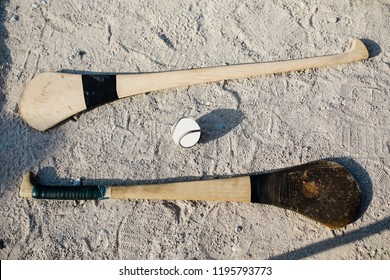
(186, 132)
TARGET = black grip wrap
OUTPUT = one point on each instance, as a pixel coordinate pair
(99, 90)
(69, 192)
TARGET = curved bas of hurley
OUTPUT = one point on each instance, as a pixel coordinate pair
(51, 98)
(321, 190)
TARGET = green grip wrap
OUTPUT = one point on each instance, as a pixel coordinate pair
(69, 192)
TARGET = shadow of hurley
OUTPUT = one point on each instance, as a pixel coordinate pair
(373, 48)
(337, 241)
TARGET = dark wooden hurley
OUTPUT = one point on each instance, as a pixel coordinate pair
(322, 190)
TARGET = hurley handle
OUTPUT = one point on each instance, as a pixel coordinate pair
(29, 189)
(230, 189)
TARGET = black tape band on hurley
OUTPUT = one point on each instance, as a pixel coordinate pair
(99, 90)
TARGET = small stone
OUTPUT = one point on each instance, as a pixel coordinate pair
(14, 18)
(82, 54)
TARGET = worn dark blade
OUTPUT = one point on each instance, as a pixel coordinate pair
(324, 191)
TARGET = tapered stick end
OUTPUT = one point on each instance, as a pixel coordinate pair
(359, 48)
